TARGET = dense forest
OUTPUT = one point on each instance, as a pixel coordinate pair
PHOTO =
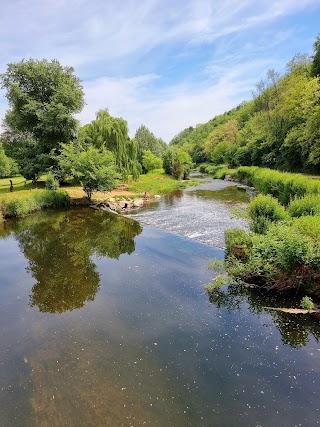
(278, 128)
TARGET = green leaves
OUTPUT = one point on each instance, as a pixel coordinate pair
(43, 96)
(94, 169)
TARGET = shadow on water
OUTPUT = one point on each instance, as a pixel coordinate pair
(59, 248)
(295, 329)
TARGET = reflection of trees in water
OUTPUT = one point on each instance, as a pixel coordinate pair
(59, 247)
(294, 329)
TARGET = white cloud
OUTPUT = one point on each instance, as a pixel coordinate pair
(166, 111)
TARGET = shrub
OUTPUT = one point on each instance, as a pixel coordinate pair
(307, 303)
(217, 172)
(52, 199)
(284, 186)
(51, 182)
(39, 200)
(307, 205)
(263, 211)
(283, 258)
(21, 207)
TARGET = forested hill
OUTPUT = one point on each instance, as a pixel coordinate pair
(279, 128)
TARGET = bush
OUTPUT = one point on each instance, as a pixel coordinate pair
(307, 205)
(307, 303)
(283, 186)
(283, 258)
(39, 200)
(21, 207)
(263, 211)
(51, 182)
(52, 199)
(217, 172)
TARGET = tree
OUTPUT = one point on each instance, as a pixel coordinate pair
(176, 162)
(94, 169)
(111, 133)
(151, 162)
(43, 96)
(147, 141)
(8, 167)
(315, 66)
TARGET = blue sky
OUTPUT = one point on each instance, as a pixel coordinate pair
(163, 63)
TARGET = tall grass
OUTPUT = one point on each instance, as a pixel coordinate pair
(40, 199)
(281, 185)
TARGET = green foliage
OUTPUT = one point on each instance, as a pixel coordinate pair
(307, 304)
(285, 257)
(280, 128)
(148, 142)
(176, 163)
(217, 172)
(315, 66)
(38, 200)
(51, 182)
(281, 185)
(93, 168)
(8, 166)
(157, 182)
(307, 205)
(111, 133)
(52, 199)
(150, 162)
(43, 96)
(218, 282)
(263, 211)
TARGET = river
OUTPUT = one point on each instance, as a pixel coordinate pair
(104, 322)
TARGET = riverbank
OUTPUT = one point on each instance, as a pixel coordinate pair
(282, 249)
(25, 196)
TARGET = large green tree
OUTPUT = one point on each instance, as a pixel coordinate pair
(315, 67)
(111, 133)
(94, 169)
(147, 141)
(43, 96)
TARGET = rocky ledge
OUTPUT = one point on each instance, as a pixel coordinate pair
(117, 206)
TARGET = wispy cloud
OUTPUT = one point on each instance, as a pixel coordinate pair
(163, 63)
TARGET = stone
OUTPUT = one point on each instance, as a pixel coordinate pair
(156, 196)
(137, 203)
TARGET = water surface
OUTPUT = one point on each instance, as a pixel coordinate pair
(200, 213)
(103, 323)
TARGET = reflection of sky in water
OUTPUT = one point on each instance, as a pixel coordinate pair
(198, 212)
(149, 350)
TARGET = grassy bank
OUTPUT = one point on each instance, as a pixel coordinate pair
(25, 202)
(157, 182)
(282, 249)
(27, 198)
(283, 186)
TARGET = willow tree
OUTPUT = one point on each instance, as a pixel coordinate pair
(111, 133)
